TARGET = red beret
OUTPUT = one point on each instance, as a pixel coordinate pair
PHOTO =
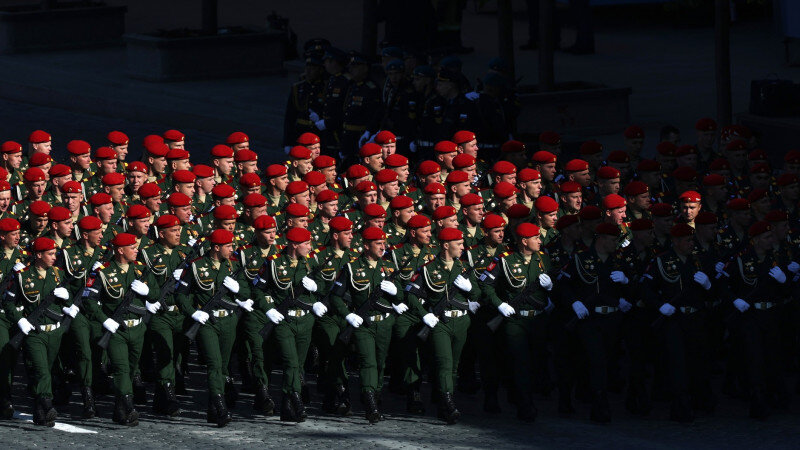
(566, 220)
(576, 165)
(251, 180)
(471, 199)
(8, 224)
(254, 200)
(450, 234)
(463, 136)
(314, 178)
(300, 152)
(237, 137)
(39, 136)
(34, 174)
(40, 159)
(619, 156)
(138, 212)
(591, 148)
(396, 160)
(105, 154)
(463, 160)
(760, 168)
(641, 225)
(149, 190)
(43, 244)
(503, 168)
(690, 197)
(757, 195)
(58, 170)
(705, 124)
(757, 155)
(590, 212)
(776, 215)
(569, 187)
(787, 179)
(792, 157)
(760, 227)
(518, 211)
(661, 209)
(374, 210)
(544, 157)
(545, 204)
(457, 176)
(340, 223)
(736, 146)
(636, 188)
(246, 155)
(385, 176)
(713, 180)
(225, 212)
(177, 154)
(221, 151)
(58, 213)
(648, 165)
(428, 168)
(608, 229)
(504, 189)
(173, 135)
(401, 202)
(11, 147)
(308, 139)
(444, 212)
(550, 138)
(275, 170)
(221, 237)
(684, 150)
(527, 230)
(373, 234)
(685, 173)
(101, 198)
(613, 201)
(6, 186)
(493, 221)
(366, 186)
(706, 218)
(323, 162)
(720, 164)
(528, 174)
(137, 166)
(445, 147)
(418, 221)
(89, 223)
(634, 132)
(666, 148)
(200, 171)
(167, 221)
(178, 199)
(296, 210)
(512, 147)
(385, 137)
(328, 195)
(264, 222)
(738, 204)
(113, 179)
(434, 189)
(681, 230)
(357, 171)
(369, 149)
(223, 190)
(158, 150)
(123, 239)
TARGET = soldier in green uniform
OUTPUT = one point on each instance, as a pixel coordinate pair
(106, 293)
(103, 209)
(446, 279)
(218, 269)
(547, 214)
(10, 257)
(36, 224)
(180, 206)
(60, 227)
(33, 285)
(401, 210)
(373, 328)
(327, 209)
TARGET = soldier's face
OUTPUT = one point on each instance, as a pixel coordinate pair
(682, 245)
(461, 189)
(448, 222)
(645, 238)
(11, 239)
(64, 227)
(388, 149)
(422, 235)
(224, 165)
(59, 181)
(404, 215)
(533, 188)
(475, 214)
(378, 222)
(705, 233)
(548, 220)
(344, 238)
(533, 243)
(230, 201)
(37, 188)
(609, 186)
(183, 213)
(248, 167)
(13, 160)
(93, 237)
(153, 204)
(690, 210)
(687, 160)
(641, 202)
(446, 159)
(617, 215)
(584, 178)
(38, 223)
(229, 225)
(329, 209)
(136, 180)
(315, 149)
(402, 173)
(435, 201)
(280, 182)
(44, 147)
(470, 148)
(299, 222)
(376, 248)
(176, 144)
(267, 237)
(496, 235)
(303, 166)
(157, 164)
(128, 253)
(759, 180)
(104, 212)
(508, 202)
(634, 145)
(116, 192)
(181, 164)
(374, 162)
(390, 190)
(737, 158)
(140, 226)
(432, 178)
(792, 168)
(548, 171)
(573, 201)
(780, 230)
(471, 171)
(5, 200)
(240, 146)
(454, 249)
(605, 243)
(256, 211)
(107, 166)
(122, 151)
(791, 192)
(170, 236)
(47, 258)
(706, 139)
(224, 251)
(367, 198)
(330, 174)
(303, 248)
(46, 169)
(185, 188)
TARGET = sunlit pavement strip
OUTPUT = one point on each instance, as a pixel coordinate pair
(59, 426)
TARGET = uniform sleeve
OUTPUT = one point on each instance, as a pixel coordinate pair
(92, 297)
(183, 295)
(414, 291)
(245, 291)
(339, 289)
(488, 284)
(13, 293)
(154, 287)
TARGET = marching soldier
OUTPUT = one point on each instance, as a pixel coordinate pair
(10, 257)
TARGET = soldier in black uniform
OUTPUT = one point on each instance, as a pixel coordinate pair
(402, 110)
(362, 107)
(306, 102)
(330, 123)
(449, 110)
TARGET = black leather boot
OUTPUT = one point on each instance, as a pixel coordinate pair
(43, 412)
(681, 410)
(601, 410)
(221, 410)
(371, 407)
(139, 390)
(88, 403)
(491, 404)
(263, 403)
(124, 411)
(287, 410)
(329, 400)
(343, 407)
(231, 393)
(299, 408)
(447, 409)
(173, 407)
(414, 403)
(6, 410)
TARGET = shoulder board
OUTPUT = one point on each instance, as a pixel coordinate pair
(318, 249)
(233, 258)
(428, 262)
(197, 259)
(472, 247)
(348, 210)
(24, 269)
(395, 246)
(247, 246)
(503, 255)
(273, 256)
(138, 263)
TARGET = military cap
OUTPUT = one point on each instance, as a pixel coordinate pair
(385, 137)
(396, 160)
(760, 168)
(89, 223)
(613, 201)
(167, 221)
(275, 170)
(123, 239)
(705, 124)
(323, 162)
(264, 222)
(221, 151)
(357, 171)
(792, 157)
(590, 148)
(471, 199)
(457, 176)
(6, 186)
(492, 220)
(503, 168)
(463, 136)
(566, 220)
(736, 145)
(576, 165)
(756, 195)
(252, 180)
(373, 234)
(176, 154)
(706, 218)
(434, 188)
(3, 174)
(237, 137)
(314, 178)
(395, 65)
(328, 195)
(355, 57)
(544, 157)
(71, 187)
(738, 204)
(607, 229)
(518, 211)
(158, 150)
(105, 153)
(138, 212)
(666, 148)
(58, 213)
(641, 225)
(335, 54)
(776, 215)
(385, 176)
(424, 71)
(550, 138)
(735, 131)
(527, 230)
(223, 190)
(720, 164)
(634, 132)
(528, 174)
(9, 224)
(684, 173)
(450, 234)
(43, 244)
(369, 149)
(681, 230)
(221, 237)
(245, 155)
(463, 160)
(11, 147)
(34, 174)
(117, 138)
(149, 190)
(648, 165)
(401, 202)
(178, 199)
(759, 228)
(40, 159)
(173, 135)
(296, 210)
(200, 171)
(366, 186)
(299, 152)
(684, 150)
(512, 146)
(445, 147)
(340, 223)
(713, 180)
(58, 170)
(78, 147)
(545, 204)
(636, 188)
(39, 136)
(786, 179)
(225, 212)
(418, 221)
(589, 212)
(113, 179)
(619, 156)
(374, 210)
(661, 209)
(444, 212)
(569, 187)
(307, 139)
(504, 189)
(690, 197)
(428, 168)
(136, 166)
(254, 200)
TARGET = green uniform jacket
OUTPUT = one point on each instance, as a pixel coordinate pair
(360, 280)
(108, 290)
(162, 264)
(509, 274)
(28, 289)
(434, 281)
(201, 281)
(278, 282)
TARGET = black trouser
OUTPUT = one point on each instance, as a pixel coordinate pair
(638, 336)
(684, 341)
(599, 334)
(757, 336)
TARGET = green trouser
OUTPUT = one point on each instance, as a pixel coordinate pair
(216, 343)
(8, 357)
(41, 350)
(166, 334)
(87, 356)
(331, 350)
(406, 347)
(447, 339)
(260, 350)
(124, 351)
(372, 345)
(525, 337)
(293, 335)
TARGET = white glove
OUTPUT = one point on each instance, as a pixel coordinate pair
(430, 320)
(25, 326)
(619, 277)
(309, 284)
(61, 293)
(473, 306)
(191, 242)
(313, 116)
(719, 267)
(177, 274)
(580, 309)
(505, 309)
(472, 95)
(275, 316)
(624, 305)
(140, 288)
(111, 325)
(18, 267)
(400, 308)
(667, 309)
(231, 284)
(550, 306)
(777, 274)
(354, 320)
(363, 139)
(246, 305)
(388, 287)
(320, 124)
(702, 279)
(625, 243)
(741, 305)
(96, 265)
(152, 307)
(463, 283)
(71, 311)
(793, 267)
(200, 316)
(319, 309)
(413, 147)
(545, 281)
